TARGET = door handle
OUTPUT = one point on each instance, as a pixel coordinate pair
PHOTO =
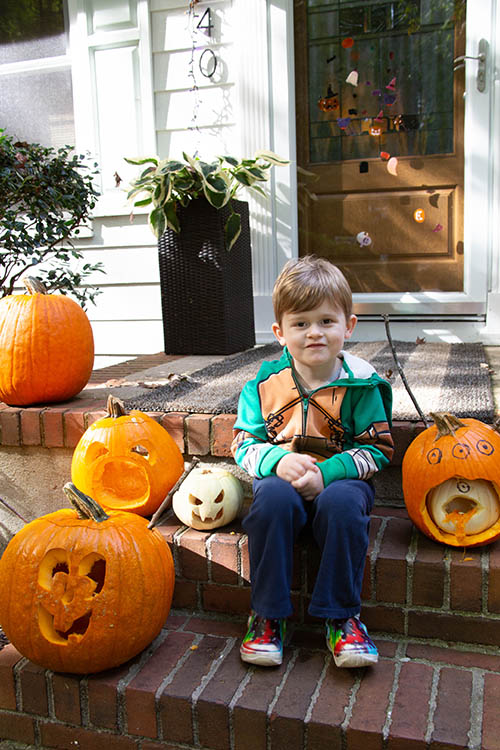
(481, 57)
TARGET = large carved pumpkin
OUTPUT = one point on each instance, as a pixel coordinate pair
(82, 591)
(126, 461)
(451, 481)
(46, 347)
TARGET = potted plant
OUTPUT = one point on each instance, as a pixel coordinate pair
(204, 247)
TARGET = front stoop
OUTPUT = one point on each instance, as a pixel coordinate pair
(412, 587)
(190, 690)
(434, 613)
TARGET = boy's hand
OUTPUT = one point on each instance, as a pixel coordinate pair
(310, 484)
(295, 465)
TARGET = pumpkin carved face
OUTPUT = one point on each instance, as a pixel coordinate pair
(67, 592)
(126, 461)
(96, 588)
(451, 481)
(208, 498)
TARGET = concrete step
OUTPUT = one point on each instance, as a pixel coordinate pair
(190, 690)
(412, 587)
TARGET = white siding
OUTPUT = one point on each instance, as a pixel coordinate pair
(138, 63)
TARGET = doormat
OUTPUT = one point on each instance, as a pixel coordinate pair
(442, 377)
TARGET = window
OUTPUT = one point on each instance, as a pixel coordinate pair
(35, 74)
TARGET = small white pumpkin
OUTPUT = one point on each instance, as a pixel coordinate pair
(469, 505)
(208, 498)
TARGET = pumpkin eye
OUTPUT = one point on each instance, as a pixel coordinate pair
(463, 487)
(434, 456)
(220, 497)
(195, 500)
(94, 567)
(485, 447)
(95, 451)
(141, 450)
(460, 450)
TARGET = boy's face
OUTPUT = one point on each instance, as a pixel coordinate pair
(315, 337)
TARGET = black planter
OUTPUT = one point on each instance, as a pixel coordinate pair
(206, 290)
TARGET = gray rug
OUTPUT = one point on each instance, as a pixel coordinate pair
(443, 377)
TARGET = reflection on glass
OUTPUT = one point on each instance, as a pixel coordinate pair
(31, 29)
(371, 85)
(38, 107)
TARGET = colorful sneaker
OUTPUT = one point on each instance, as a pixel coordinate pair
(263, 642)
(350, 644)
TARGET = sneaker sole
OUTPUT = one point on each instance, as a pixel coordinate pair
(263, 660)
(353, 660)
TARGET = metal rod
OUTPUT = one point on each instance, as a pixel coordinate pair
(385, 318)
(168, 499)
(12, 510)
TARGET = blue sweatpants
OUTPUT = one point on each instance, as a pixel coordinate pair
(340, 519)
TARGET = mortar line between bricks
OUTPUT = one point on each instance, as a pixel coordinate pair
(447, 579)
(239, 559)
(17, 682)
(432, 704)
(277, 694)
(50, 693)
(168, 679)
(349, 709)
(476, 710)
(485, 579)
(121, 709)
(237, 695)
(208, 555)
(373, 558)
(400, 650)
(175, 549)
(84, 702)
(410, 560)
(204, 682)
(315, 696)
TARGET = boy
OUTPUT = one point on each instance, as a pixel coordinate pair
(312, 428)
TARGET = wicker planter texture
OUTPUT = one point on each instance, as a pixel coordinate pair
(206, 291)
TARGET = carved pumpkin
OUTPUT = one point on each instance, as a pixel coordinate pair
(82, 591)
(208, 498)
(46, 347)
(451, 481)
(126, 461)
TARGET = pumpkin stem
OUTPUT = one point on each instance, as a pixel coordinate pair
(115, 407)
(85, 506)
(34, 286)
(446, 424)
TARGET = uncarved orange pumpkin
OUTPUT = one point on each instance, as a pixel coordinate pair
(459, 449)
(82, 591)
(46, 347)
(126, 461)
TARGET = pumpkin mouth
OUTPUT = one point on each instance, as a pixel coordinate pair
(464, 507)
(120, 483)
(207, 519)
(73, 634)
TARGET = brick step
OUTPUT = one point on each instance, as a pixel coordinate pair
(412, 586)
(190, 689)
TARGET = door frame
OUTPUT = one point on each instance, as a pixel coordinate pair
(451, 317)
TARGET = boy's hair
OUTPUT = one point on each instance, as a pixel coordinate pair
(304, 283)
